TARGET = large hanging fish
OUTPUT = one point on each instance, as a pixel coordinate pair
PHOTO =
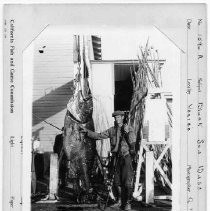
(80, 150)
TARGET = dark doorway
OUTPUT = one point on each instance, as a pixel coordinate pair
(123, 87)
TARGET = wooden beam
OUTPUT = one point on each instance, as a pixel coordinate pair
(156, 142)
(149, 177)
(138, 186)
(53, 186)
(164, 175)
(130, 61)
(161, 155)
(164, 197)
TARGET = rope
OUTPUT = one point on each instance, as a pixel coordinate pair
(47, 122)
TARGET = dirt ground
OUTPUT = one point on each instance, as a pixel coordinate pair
(136, 206)
(66, 203)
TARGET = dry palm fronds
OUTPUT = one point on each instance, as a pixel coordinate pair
(140, 88)
(148, 74)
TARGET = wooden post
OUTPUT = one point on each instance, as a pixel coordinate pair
(33, 173)
(53, 186)
(149, 177)
(138, 186)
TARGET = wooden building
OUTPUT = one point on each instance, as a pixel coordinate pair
(52, 81)
(110, 82)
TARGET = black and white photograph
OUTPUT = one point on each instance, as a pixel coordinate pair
(103, 120)
(106, 105)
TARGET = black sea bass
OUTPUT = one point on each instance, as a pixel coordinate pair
(79, 149)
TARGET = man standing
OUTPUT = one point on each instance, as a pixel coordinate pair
(122, 140)
(58, 148)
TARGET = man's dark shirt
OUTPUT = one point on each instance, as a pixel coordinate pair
(58, 144)
(115, 134)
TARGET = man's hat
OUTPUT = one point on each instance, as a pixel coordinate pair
(118, 113)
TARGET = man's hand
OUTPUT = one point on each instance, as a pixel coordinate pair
(126, 128)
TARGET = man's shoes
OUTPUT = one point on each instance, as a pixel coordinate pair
(127, 207)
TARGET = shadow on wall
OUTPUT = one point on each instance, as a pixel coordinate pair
(35, 134)
(52, 103)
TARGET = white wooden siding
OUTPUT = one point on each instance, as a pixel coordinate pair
(52, 83)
